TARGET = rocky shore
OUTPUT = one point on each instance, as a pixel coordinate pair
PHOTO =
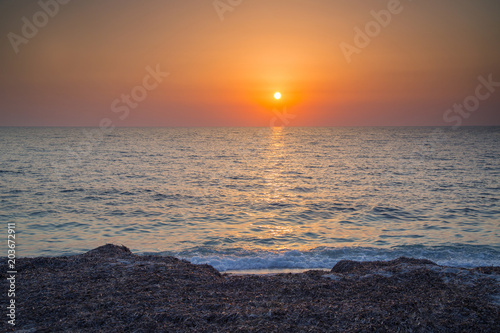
(110, 289)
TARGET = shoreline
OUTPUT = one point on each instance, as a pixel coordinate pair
(314, 257)
(271, 271)
(110, 288)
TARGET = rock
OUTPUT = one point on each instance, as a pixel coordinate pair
(349, 266)
(109, 289)
(346, 266)
(332, 277)
(109, 250)
(411, 261)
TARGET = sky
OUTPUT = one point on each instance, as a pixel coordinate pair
(219, 63)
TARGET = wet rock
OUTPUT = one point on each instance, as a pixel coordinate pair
(110, 250)
(350, 266)
(110, 289)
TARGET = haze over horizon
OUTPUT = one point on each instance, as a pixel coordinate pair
(220, 63)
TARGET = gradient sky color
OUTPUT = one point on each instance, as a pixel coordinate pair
(417, 64)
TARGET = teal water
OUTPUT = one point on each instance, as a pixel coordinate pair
(256, 198)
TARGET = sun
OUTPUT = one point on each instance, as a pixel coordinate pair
(277, 95)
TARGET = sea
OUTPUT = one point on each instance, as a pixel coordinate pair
(255, 199)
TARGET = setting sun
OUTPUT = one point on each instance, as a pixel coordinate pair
(277, 95)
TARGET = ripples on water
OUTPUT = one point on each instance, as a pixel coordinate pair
(239, 195)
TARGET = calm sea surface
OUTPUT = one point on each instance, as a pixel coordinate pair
(256, 198)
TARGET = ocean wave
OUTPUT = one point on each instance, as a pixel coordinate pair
(457, 255)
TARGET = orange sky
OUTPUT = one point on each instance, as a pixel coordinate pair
(89, 54)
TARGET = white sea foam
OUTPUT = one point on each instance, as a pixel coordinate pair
(326, 258)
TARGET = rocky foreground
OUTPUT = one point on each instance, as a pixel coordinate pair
(109, 289)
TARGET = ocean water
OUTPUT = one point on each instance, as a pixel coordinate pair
(256, 198)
